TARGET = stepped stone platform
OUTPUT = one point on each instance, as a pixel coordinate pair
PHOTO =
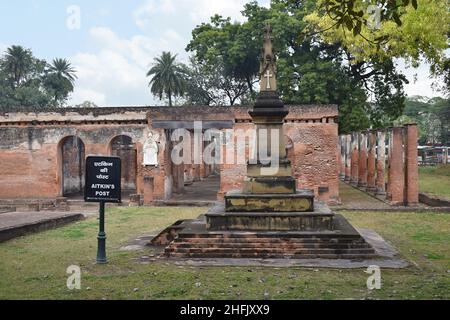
(194, 240)
(268, 218)
(219, 219)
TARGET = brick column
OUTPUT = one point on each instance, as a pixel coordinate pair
(348, 158)
(371, 162)
(362, 171)
(412, 165)
(381, 163)
(355, 159)
(396, 177)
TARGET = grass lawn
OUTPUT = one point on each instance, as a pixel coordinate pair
(34, 267)
(435, 180)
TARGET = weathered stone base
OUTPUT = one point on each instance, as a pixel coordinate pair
(301, 201)
(194, 241)
(319, 220)
(272, 185)
(283, 169)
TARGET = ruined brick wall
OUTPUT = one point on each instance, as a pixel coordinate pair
(31, 147)
(31, 157)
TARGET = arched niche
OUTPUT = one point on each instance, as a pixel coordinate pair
(123, 147)
(72, 166)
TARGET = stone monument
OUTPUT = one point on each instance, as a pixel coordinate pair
(270, 217)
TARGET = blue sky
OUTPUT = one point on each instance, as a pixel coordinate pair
(118, 40)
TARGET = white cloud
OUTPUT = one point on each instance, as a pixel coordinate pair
(116, 74)
(202, 10)
(143, 14)
(197, 10)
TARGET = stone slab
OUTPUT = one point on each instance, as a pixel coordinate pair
(17, 224)
(198, 228)
(301, 201)
(258, 170)
(273, 185)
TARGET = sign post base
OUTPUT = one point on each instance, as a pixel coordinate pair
(101, 251)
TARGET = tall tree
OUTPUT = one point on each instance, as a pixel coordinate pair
(213, 85)
(60, 79)
(63, 68)
(168, 77)
(235, 46)
(17, 64)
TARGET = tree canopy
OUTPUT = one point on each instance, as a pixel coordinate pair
(432, 116)
(168, 77)
(412, 30)
(320, 61)
(29, 83)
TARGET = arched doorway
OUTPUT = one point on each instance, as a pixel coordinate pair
(73, 162)
(124, 148)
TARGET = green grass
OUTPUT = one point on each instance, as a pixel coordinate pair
(435, 181)
(34, 267)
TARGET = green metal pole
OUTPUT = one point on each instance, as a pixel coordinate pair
(101, 252)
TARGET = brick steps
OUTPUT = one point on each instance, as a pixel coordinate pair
(263, 247)
(257, 255)
(262, 241)
(297, 251)
(269, 236)
(196, 241)
(258, 245)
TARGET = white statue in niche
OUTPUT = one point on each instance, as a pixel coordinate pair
(151, 150)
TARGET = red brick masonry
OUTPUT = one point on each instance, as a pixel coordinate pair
(32, 157)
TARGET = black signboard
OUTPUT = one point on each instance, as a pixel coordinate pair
(103, 177)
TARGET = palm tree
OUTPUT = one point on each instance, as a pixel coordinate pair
(60, 79)
(168, 77)
(63, 68)
(17, 63)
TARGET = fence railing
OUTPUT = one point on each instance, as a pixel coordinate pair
(383, 162)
